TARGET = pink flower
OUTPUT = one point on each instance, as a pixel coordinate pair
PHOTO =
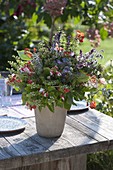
(102, 81)
(57, 48)
(25, 69)
(62, 97)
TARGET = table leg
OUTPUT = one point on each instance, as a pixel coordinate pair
(77, 162)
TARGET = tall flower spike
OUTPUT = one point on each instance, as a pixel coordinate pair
(55, 7)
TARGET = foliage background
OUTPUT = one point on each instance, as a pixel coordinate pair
(22, 23)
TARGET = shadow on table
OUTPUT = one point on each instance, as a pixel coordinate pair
(73, 112)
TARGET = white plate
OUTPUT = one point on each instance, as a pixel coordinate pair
(11, 124)
(80, 105)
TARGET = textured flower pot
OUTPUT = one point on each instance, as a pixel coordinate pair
(50, 124)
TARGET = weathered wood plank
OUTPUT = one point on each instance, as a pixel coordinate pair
(23, 111)
(9, 112)
(24, 144)
(51, 144)
(6, 150)
(70, 134)
(89, 132)
(97, 127)
(97, 116)
(77, 162)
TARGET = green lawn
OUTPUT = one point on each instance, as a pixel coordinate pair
(106, 45)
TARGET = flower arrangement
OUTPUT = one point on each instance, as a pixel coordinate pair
(55, 74)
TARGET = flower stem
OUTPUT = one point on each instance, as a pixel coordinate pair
(52, 29)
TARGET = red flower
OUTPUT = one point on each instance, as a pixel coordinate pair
(68, 53)
(18, 80)
(26, 49)
(93, 105)
(34, 107)
(13, 79)
(29, 81)
(30, 106)
(80, 36)
(66, 90)
(28, 63)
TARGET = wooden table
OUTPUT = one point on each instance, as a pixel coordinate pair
(85, 132)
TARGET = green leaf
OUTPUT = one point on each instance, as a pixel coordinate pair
(77, 20)
(68, 102)
(98, 1)
(103, 33)
(24, 97)
(16, 88)
(83, 77)
(23, 56)
(11, 11)
(59, 103)
(34, 17)
(50, 107)
(67, 105)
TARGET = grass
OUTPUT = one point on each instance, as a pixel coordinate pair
(106, 46)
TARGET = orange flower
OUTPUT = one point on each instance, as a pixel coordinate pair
(68, 53)
(93, 79)
(34, 49)
(93, 105)
(80, 36)
(27, 52)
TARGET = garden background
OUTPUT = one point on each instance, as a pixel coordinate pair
(24, 23)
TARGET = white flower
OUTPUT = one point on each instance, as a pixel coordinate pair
(41, 90)
(48, 77)
(45, 95)
(51, 73)
(58, 73)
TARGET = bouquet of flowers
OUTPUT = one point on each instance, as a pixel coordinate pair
(55, 74)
